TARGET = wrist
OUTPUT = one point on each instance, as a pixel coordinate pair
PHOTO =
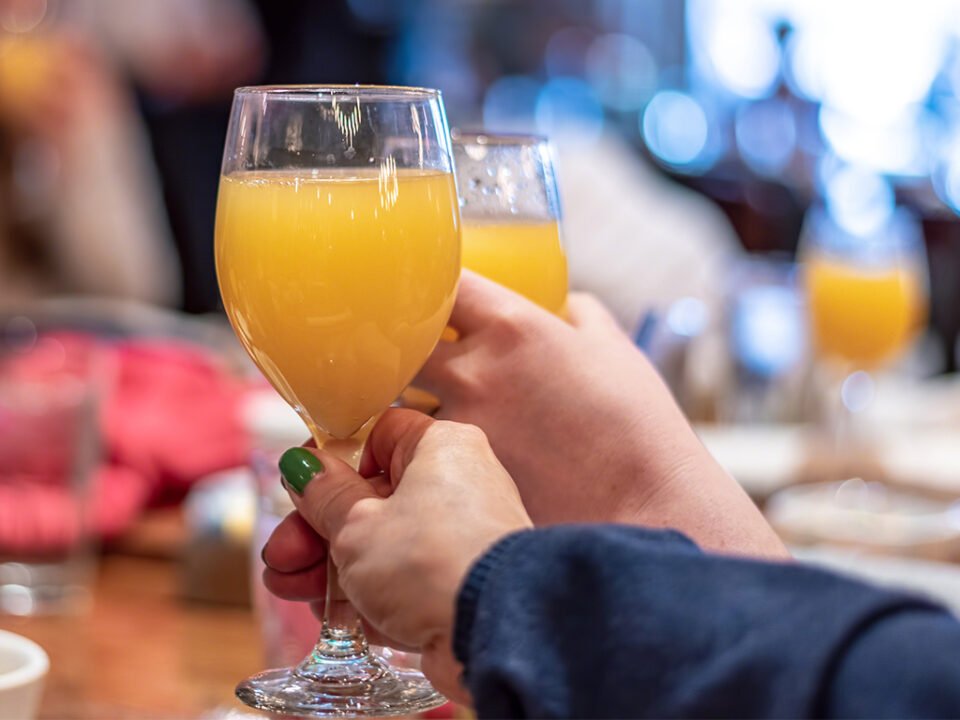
(471, 589)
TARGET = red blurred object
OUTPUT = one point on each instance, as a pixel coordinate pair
(444, 712)
(169, 416)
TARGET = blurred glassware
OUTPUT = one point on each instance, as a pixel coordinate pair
(23, 669)
(865, 277)
(49, 392)
(872, 517)
(766, 337)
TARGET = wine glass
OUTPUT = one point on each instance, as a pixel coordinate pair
(511, 214)
(867, 296)
(511, 223)
(338, 255)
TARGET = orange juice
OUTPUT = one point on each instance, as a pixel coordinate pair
(526, 257)
(863, 315)
(338, 282)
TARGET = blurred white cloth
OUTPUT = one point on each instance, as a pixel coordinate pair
(634, 238)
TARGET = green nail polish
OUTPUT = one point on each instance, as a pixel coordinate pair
(299, 466)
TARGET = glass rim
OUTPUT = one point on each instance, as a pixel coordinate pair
(334, 89)
(467, 136)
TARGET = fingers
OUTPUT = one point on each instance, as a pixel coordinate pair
(307, 584)
(324, 493)
(293, 546)
(394, 440)
(479, 301)
(585, 311)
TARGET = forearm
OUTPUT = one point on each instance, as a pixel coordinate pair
(711, 508)
(613, 621)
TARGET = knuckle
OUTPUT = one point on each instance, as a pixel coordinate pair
(511, 322)
(472, 435)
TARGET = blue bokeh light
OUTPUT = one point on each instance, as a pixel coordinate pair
(674, 127)
(569, 108)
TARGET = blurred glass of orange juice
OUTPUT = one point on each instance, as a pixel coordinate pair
(860, 314)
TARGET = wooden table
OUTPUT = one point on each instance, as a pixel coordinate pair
(141, 651)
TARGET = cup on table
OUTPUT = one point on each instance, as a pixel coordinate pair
(48, 450)
(23, 666)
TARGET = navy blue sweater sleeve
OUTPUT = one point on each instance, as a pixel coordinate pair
(610, 621)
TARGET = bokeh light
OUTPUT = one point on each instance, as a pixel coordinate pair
(568, 108)
(735, 45)
(622, 71)
(674, 127)
(860, 201)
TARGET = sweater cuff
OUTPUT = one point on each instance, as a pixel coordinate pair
(469, 596)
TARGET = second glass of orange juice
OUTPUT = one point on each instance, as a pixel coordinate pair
(511, 214)
(866, 297)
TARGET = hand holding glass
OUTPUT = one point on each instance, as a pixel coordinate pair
(338, 254)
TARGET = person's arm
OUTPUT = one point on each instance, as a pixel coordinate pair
(612, 621)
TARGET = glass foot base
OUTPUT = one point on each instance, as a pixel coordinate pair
(289, 692)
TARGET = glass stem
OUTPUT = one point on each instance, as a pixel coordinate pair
(342, 655)
(342, 635)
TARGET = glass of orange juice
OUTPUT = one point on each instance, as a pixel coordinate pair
(510, 210)
(338, 256)
(867, 296)
(511, 214)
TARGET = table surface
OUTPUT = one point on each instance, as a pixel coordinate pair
(141, 651)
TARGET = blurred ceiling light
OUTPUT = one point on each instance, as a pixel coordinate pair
(20, 16)
(766, 134)
(732, 41)
(622, 71)
(510, 104)
(865, 58)
(892, 146)
(861, 202)
(875, 58)
(568, 108)
(674, 127)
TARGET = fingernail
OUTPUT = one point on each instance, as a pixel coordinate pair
(299, 466)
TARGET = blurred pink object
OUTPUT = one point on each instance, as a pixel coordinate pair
(168, 417)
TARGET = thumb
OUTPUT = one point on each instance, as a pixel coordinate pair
(323, 488)
(586, 312)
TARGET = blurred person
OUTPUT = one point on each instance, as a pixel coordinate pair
(599, 620)
(79, 204)
(185, 57)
